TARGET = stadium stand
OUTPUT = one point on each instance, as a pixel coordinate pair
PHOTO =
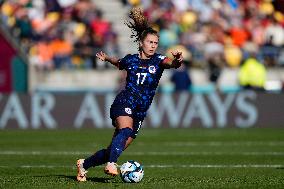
(59, 38)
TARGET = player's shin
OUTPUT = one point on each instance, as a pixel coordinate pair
(118, 143)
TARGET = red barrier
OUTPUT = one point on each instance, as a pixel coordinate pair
(6, 55)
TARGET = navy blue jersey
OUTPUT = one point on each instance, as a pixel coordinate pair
(143, 76)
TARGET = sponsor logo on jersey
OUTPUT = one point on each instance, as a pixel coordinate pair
(143, 66)
(128, 110)
(152, 69)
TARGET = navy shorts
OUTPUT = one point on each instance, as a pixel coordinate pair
(127, 105)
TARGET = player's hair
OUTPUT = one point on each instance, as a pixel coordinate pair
(139, 25)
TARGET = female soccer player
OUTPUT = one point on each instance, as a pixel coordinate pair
(128, 110)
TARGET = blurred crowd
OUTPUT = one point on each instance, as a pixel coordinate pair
(228, 28)
(59, 33)
(211, 33)
(218, 33)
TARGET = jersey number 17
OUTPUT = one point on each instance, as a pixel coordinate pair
(142, 76)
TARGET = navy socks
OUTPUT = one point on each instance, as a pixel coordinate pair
(99, 158)
(112, 153)
(118, 143)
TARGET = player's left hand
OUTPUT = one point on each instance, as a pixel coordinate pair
(177, 56)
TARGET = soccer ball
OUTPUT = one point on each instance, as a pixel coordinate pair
(131, 171)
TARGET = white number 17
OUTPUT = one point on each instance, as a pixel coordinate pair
(143, 79)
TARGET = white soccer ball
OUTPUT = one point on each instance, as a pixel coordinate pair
(131, 171)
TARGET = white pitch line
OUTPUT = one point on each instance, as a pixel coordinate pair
(155, 153)
(44, 153)
(204, 153)
(218, 143)
(216, 166)
(160, 166)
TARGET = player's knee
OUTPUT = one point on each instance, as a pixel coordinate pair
(126, 132)
(124, 122)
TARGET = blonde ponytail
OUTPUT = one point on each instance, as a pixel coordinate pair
(139, 25)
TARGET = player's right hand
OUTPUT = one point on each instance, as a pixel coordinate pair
(177, 56)
(101, 55)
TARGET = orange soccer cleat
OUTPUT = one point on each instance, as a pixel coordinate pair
(82, 173)
(111, 169)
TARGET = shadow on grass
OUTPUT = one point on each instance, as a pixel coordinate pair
(92, 179)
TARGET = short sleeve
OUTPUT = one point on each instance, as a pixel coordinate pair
(164, 61)
(123, 63)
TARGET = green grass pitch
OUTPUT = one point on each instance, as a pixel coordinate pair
(172, 158)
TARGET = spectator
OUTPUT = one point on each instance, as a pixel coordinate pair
(111, 43)
(232, 54)
(274, 34)
(41, 55)
(186, 22)
(252, 74)
(213, 51)
(83, 49)
(238, 34)
(100, 28)
(38, 23)
(52, 6)
(62, 50)
(181, 79)
(168, 37)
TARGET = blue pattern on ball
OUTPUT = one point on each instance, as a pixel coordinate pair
(131, 172)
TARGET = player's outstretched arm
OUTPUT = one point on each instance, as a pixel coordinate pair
(174, 63)
(104, 57)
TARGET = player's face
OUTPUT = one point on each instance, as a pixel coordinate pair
(149, 45)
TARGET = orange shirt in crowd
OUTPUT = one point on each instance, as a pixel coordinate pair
(44, 52)
(61, 47)
(239, 36)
